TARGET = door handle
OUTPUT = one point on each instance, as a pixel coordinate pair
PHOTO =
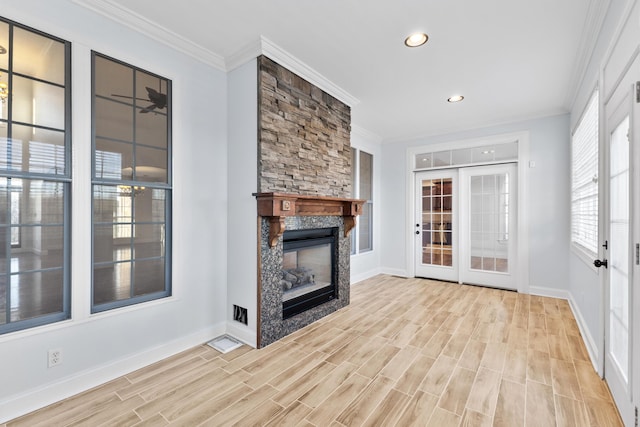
(599, 263)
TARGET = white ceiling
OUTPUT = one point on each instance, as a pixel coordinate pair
(511, 59)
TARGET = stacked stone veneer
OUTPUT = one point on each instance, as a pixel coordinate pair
(304, 136)
(303, 148)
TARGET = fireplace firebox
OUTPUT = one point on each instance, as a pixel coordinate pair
(309, 269)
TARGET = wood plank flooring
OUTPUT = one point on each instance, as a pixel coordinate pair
(404, 352)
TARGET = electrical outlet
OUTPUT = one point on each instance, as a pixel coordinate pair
(55, 357)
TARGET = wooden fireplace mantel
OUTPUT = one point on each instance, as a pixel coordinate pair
(278, 206)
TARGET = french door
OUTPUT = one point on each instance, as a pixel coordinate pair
(465, 225)
(435, 229)
(621, 249)
(488, 225)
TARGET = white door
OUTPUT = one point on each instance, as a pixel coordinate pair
(435, 231)
(621, 270)
(488, 215)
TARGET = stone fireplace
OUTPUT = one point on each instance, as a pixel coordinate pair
(329, 219)
(304, 190)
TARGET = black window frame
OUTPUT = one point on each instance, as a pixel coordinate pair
(64, 179)
(133, 183)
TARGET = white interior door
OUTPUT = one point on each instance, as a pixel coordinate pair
(621, 361)
(488, 229)
(435, 230)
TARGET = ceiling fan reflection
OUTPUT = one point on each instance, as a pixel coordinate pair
(158, 100)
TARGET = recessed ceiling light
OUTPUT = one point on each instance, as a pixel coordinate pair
(416, 39)
(455, 98)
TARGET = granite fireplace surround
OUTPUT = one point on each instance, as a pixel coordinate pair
(300, 213)
(304, 182)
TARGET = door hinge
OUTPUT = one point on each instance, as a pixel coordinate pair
(636, 416)
(638, 92)
(637, 253)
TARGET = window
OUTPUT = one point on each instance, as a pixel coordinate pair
(131, 185)
(584, 181)
(35, 178)
(486, 154)
(362, 176)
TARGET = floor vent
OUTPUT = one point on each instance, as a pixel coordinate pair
(224, 344)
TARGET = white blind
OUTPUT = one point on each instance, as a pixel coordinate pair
(584, 180)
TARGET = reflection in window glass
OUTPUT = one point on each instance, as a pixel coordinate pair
(43, 106)
(441, 159)
(362, 176)
(34, 154)
(468, 156)
(129, 228)
(437, 233)
(51, 60)
(489, 222)
(132, 192)
(4, 42)
(365, 237)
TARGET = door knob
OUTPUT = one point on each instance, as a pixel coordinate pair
(599, 263)
(417, 231)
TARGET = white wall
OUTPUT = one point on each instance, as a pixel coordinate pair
(242, 209)
(96, 348)
(367, 264)
(547, 194)
(585, 285)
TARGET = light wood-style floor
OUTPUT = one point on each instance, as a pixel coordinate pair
(405, 352)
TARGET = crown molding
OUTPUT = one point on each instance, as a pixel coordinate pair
(478, 126)
(298, 67)
(365, 134)
(264, 46)
(143, 25)
(243, 55)
(596, 14)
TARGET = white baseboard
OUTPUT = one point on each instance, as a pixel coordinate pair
(589, 342)
(47, 394)
(242, 333)
(355, 278)
(394, 272)
(549, 292)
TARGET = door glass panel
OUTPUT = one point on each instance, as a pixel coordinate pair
(489, 222)
(437, 235)
(619, 249)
